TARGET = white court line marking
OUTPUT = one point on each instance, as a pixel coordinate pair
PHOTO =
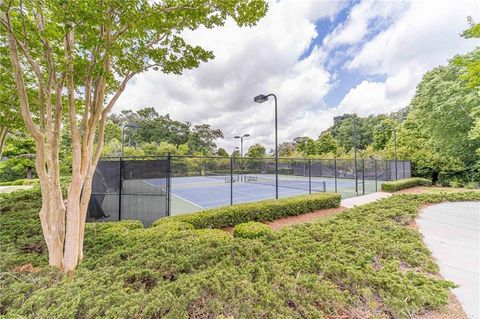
(174, 194)
(186, 200)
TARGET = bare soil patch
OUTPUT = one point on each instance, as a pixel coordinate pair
(304, 218)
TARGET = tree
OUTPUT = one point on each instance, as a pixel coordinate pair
(442, 115)
(87, 51)
(10, 117)
(471, 74)
(305, 145)
(202, 139)
(256, 150)
(471, 70)
(286, 149)
(222, 152)
(327, 144)
(383, 133)
(19, 154)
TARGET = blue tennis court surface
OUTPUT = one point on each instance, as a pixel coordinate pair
(200, 192)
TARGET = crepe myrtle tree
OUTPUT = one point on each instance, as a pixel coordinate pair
(82, 53)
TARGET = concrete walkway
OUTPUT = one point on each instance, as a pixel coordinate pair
(363, 199)
(452, 233)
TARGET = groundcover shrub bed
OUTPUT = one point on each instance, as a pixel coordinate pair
(362, 263)
(397, 185)
(258, 211)
(252, 230)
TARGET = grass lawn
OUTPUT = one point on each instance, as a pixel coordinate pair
(364, 262)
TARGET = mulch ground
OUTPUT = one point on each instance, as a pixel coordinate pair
(304, 218)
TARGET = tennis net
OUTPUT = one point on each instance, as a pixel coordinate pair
(294, 183)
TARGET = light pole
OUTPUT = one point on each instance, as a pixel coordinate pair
(241, 142)
(352, 116)
(260, 99)
(123, 134)
(381, 128)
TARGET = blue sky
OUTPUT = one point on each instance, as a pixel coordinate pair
(321, 58)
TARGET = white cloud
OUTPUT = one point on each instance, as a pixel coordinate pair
(424, 36)
(248, 61)
(362, 19)
(369, 98)
(415, 37)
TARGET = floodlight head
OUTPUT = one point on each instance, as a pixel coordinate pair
(131, 125)
(237, 136)
(246, 135)
(260, 98)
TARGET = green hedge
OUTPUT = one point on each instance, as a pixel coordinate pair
(405, 183)
(259, 211)
(252, 230)
(21, 182)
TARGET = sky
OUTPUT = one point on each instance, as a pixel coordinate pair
(320, 58)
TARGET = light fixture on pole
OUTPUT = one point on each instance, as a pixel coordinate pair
(260, 99)
(241, 142)
(123, 134)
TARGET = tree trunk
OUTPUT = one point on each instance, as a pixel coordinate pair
(3, 137)
(52, 218)
(72, 235)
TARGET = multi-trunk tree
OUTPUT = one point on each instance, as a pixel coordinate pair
(81, 55)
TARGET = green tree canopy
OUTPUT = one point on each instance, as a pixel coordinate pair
(443, 113)
(326, 144)
(257, 150)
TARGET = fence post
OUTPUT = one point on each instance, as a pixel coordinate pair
(403, 163)
(309, 176)
(231, 180)
(335, 163)
(169, 184)
(363, 176)
(375, 165)
(387, 170)
(120, 190)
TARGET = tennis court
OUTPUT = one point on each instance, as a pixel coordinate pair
(193, 193)
(149, 188)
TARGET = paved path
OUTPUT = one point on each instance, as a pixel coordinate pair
(452, 233)
(363, 199)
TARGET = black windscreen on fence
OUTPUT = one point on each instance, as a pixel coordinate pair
(130, 189)
(148, 188)
(104, 201)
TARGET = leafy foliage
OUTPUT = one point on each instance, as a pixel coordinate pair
(155, 130)
(397, 185)
(362, 263)
(256, 151)
(257, 211)
(442, 115)
(252, 230)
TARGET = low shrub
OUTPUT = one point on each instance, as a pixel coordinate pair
(173, 225)
(21, 182)
(252, 230)
(472, 185)
(364, 262)
(259, 211)
(397, 185)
